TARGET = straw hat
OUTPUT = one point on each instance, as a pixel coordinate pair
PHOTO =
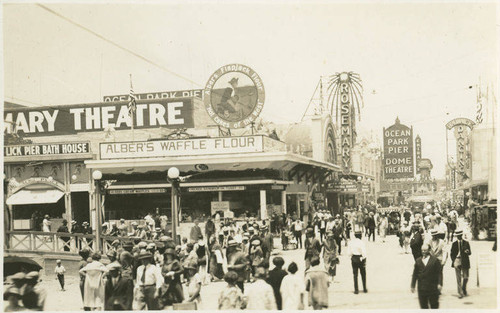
(144, 255)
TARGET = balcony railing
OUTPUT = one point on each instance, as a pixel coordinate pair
(36, 241)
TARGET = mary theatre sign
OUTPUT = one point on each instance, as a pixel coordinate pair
(72, 119)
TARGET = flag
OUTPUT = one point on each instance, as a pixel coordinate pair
(132, 99)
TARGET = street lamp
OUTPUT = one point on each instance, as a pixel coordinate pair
(97, 176)
(173, 177)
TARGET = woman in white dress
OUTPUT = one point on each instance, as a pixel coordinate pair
(93, 290)
(292, 289)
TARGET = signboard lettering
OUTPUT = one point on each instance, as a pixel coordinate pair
(418, 152)
(234, 96)
(47, 149)
(197, 93)
(181, 147)
(462, 128)
(216, 188)
(64, 120)
(398, 151)
(346, 139)
(219, 206)
(136, 191)
(38, 180)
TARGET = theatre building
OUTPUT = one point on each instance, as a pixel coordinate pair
(238, 174)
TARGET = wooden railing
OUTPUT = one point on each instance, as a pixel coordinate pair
(38, 241)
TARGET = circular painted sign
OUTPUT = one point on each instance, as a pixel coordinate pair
(234, 96)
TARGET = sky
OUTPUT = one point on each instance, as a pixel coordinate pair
(416, 60)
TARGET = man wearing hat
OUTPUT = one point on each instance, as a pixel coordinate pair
(437, 249)
(195, 232)
(357, 252)
(18, 279)
(113, 229)
(119, 291)
(296, 227)
(267, 243)
(127, 261)
(209, 228)
(86, 228)
(141, 233)
(115, 245)
(135, 230)
(238, 262)
(416, 240)
(441, 227)
(112, 255)
(12, 294)
(427, 272)
(229, 99)
(64, 229)
(148, 283)
(312, 245)
(459, 254)
(33, 296)
(338, 233)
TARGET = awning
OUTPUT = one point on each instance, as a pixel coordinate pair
(35, 197)
(473, 183)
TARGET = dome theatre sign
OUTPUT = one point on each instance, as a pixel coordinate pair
(398, 151)
(234, 96)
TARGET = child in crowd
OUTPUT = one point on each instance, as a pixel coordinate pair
(194, 284)
(60, 270)
(231, 298)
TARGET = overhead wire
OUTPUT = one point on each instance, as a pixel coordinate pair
(117, 45)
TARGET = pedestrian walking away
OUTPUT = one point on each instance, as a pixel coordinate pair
(357, 252)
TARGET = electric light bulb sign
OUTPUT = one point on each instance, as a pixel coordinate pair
(398, 151)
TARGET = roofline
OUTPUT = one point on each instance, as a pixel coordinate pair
(210, 159)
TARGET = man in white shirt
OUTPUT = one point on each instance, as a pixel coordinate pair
(297, 232)
(442, 228)
(148, 283)
(357, 252)
(437, 249)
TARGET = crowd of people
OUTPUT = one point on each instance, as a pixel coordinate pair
(145, 269)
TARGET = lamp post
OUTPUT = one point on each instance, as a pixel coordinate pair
(173, 177)
(97, 176)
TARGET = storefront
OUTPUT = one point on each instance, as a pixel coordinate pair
(242, 176)
(46, 179)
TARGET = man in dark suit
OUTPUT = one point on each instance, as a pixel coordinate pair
(312, 245)
(416, 241)
(460, 251)
(427, 272)
(119, 291)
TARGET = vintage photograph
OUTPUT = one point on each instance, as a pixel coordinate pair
(250, 155)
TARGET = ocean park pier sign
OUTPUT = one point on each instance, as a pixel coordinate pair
(398, 151)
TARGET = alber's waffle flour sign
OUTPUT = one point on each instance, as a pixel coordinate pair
(181, 147)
